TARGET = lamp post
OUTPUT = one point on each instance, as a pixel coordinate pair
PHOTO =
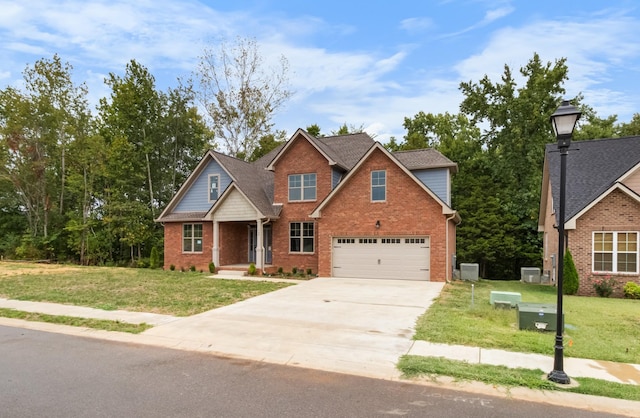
(564, 121)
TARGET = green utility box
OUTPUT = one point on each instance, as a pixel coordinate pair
(537, 316)
(512, 297)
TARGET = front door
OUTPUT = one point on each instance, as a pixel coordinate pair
(253, 240)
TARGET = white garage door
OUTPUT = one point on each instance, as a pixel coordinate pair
(405, 258)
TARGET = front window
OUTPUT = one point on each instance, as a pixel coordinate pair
(615, 252)
(301, 237)
(378, 186)
(214, 187)
(302, 187)
(192, 238)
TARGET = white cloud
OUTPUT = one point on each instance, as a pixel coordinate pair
(416, 24)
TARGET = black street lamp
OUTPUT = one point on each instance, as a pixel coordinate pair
(564, 121)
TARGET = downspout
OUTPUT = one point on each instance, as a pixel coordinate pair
(446, 226)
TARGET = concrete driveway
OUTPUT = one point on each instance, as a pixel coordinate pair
(356, 326)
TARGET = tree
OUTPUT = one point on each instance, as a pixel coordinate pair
(632, 128)
(570, 278)
(240, 94)
(314, 130)
(350, 129)
(268, 143)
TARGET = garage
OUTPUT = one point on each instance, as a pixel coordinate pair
(405, 258)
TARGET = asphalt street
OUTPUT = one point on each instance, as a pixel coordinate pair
(54, 375)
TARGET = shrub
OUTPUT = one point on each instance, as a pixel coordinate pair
(212, 267)
(143, 263)
(280, 270)
(632, 290)
(252, 269)
(294, 270)
(309, 272)
(154, 260)
(172, 267)
(571, 281)
(603, 285)
(192, 268)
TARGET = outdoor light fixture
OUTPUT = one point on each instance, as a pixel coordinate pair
(564, 122)
(377, 224)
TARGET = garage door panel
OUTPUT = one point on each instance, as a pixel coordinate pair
(370, 257)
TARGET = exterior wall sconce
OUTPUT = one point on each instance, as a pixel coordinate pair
(377, 224)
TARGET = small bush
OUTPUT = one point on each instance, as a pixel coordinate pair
(603, 285)
(143, 263)
(632, 290)
(154, 260)
(212, 267)
(309, 272)
(294, 271)
(571, 281)
(172, 267)
(252, 269)
(192, 268)
(280, 270)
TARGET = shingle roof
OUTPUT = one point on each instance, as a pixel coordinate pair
(424, 158)
(346, 150)
(592, 168)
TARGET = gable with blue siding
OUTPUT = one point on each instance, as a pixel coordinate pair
(196, 199)
(436, 179)
(336, 176)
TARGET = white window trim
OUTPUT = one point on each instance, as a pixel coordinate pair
(302, 199)
(217, 176)
(614, 252)
(192, 238)
(302, 237)
(378, 186)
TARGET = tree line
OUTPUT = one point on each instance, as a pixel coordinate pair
(80, 187)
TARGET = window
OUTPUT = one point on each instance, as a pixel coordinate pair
(301, 237)
(615, 252)
(214, 187)
(302, 187)
(378, 186)
(192, 238)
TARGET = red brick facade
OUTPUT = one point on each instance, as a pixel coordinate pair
(173, 254)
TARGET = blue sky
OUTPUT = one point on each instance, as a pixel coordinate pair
(368, 63)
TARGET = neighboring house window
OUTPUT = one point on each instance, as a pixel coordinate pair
(615, 252)
(302, 187)
(214, 187)
(378, 186)
(192, 238)
(301, 237)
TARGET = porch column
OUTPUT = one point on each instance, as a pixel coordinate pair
(259, 245)
(215, 251)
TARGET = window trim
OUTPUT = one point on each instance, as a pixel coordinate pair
(379, 186)
(193, 238)
(614, 253)
(302, 237)
(302, 187)
(217, 176)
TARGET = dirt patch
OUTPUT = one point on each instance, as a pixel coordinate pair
(8, 269)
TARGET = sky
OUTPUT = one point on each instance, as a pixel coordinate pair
(364, 63)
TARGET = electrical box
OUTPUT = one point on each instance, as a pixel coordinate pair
(537, 316)
(469, 271)
(513, 298)
(530, 275)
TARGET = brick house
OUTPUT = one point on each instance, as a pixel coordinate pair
(338, 206)
(602, 212)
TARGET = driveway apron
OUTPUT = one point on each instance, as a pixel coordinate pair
(357, 326)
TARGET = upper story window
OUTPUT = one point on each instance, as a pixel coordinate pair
(302, 187)
(192, 238)
(214, 187)
(379, 186)
(615, 252)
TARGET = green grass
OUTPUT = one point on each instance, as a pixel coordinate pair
(139, 290)
(595, 328)
(76, 322)
(413, 366)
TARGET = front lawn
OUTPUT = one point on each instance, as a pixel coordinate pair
(139, 290)
(595, 328)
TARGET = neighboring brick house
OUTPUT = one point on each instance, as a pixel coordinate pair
(338, 206)
(602, 212)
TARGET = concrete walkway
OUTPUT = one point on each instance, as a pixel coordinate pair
(353, 326)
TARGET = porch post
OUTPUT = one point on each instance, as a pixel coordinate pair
(215, 256)
(259, 245)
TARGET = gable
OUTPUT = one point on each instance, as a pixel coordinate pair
(632, 179)
(621, 200)
(196, 197)
(233, 206)
(437, 180)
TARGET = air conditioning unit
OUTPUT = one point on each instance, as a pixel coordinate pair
(530, 275)
(469, 271)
